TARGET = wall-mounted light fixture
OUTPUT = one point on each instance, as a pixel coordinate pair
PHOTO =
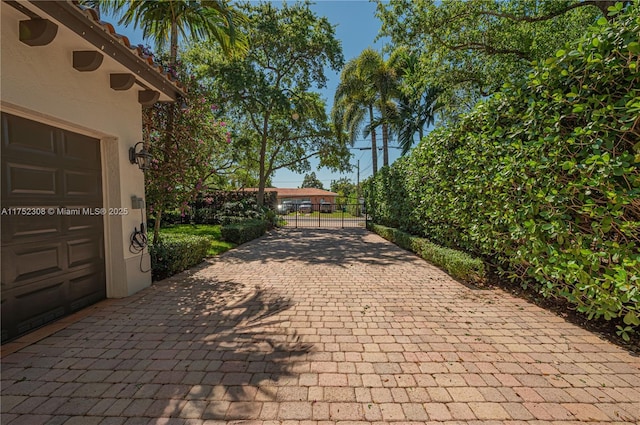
(142, 157)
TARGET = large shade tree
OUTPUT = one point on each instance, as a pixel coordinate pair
(471, 48)
(278, 120)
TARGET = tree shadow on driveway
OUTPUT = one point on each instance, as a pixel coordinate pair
(188, 347)
(339, 247)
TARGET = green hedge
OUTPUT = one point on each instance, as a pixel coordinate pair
(458, 264)
(243, 231)
(175, 253)
(542, 178)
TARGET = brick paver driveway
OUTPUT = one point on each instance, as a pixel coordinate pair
(311, 325)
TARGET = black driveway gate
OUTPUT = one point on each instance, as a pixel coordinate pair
(323, 215)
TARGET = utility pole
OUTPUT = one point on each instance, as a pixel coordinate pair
(358, 182)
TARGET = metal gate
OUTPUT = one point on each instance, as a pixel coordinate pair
(322, 215)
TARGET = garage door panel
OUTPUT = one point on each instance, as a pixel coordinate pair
(83, 251)
(83, 291)
(31, 180)
(47, 311)
(52, 264)
(75, 148)
(20, 134)
(82, 184)
(29, 262)
(83, 223)
(34, 306)
(25, 227)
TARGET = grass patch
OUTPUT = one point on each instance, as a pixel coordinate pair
(210, 231)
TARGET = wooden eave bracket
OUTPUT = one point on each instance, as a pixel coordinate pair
(37, 32)
(148, 97)
(87, 60)
(122, 81)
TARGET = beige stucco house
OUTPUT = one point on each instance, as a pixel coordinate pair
(72, 93)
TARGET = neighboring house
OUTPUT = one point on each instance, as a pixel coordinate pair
(315, 196)
(71, 101)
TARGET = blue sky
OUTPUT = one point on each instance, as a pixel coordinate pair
(356, 27)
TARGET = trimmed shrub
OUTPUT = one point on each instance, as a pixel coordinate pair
(543, 178)
(243, 231)
(225, 207)
(458, 264)
(175, 253)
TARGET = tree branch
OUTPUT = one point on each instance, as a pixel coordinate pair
(288, 164)
(484, 47)
(600, 4)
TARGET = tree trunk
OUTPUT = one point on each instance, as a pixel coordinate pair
(385, 144)
(173, 39)
(156, 227)
(374, 147)
(174, 44)
(262, 176)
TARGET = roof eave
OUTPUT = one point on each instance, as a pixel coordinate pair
(74, 19)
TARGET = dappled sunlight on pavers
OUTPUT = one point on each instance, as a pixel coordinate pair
(319, 325)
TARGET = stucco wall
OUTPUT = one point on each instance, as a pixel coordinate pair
(40, 83)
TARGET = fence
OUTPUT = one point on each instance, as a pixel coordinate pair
(322, 215)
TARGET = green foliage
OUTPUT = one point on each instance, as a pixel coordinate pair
(279, 121)
(163, 21)
(367, 83)
(416, 104)
(175, 253)
(458, 264)
(469, 48)
(211, 232)
(243, 231)
(543, 178)
(242, 210)
(347, 191)
(310, 180)
(189, 147)
(225, 207)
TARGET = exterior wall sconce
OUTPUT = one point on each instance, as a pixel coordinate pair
(142, 157)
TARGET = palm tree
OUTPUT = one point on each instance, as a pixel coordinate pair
(416, 104)
(383, 80)
(353, 104)
(414, 114)
(164, 20)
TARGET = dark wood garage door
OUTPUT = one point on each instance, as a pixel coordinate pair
(52, 226)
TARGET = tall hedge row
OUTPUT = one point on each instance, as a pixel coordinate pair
(542, 178)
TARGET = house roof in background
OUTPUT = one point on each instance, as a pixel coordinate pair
(294, 192)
